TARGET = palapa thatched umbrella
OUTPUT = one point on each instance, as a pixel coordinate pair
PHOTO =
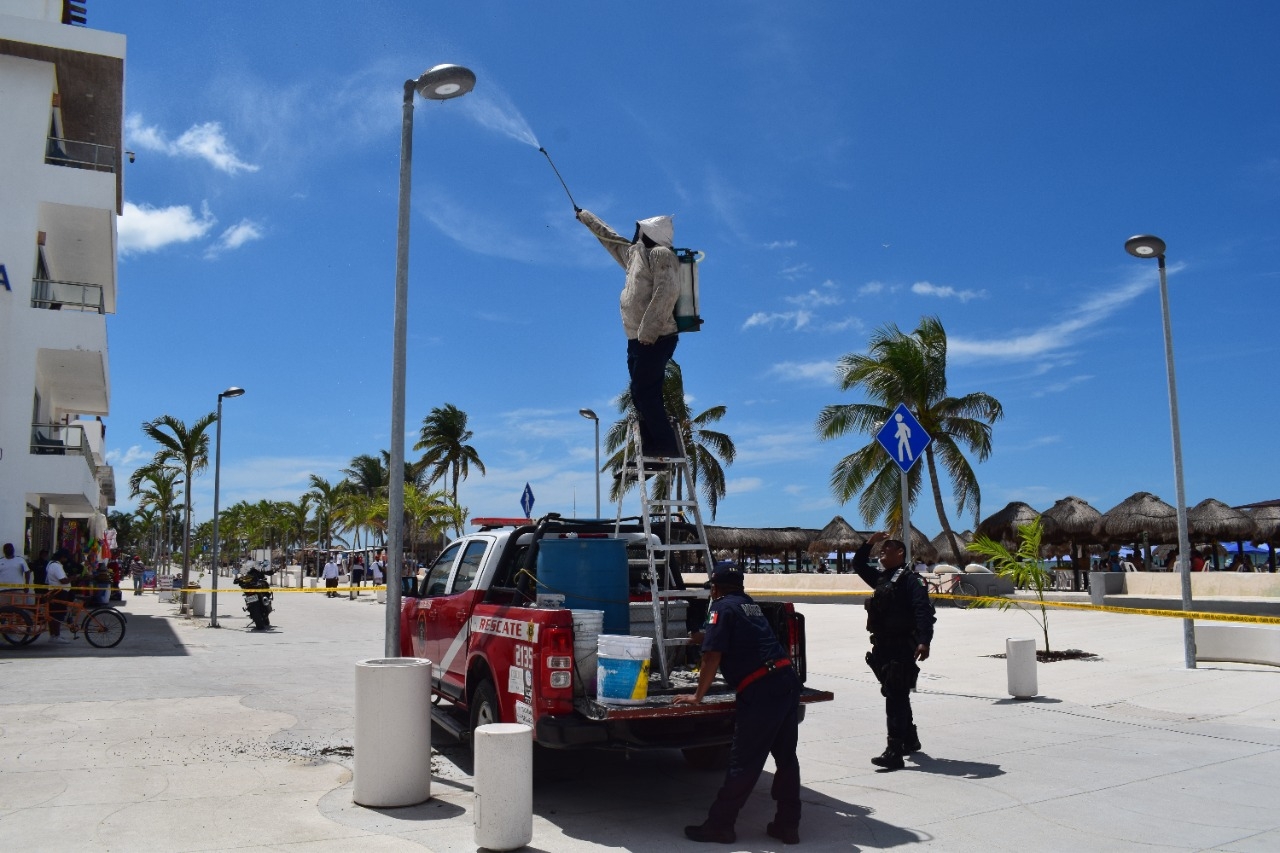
(1071, 522)
(1266, 521)
(921, 547)
(1140, 513)
(942, 544)
(838, 536)
(761, 540)
(1211, 520)
(1003, 526)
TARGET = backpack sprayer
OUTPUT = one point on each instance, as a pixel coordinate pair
(687, 303)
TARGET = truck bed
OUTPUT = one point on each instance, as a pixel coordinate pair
(660, 706)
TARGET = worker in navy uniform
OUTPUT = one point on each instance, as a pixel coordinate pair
(900, 618)
(739, 642)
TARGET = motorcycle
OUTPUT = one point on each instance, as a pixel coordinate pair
(257, 596)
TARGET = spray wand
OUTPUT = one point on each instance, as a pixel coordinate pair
(562, 183)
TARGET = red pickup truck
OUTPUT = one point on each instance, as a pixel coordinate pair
(503, 647)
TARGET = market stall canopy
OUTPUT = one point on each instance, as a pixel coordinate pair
(1003, 526)
(1141, 512)
(1212, 519)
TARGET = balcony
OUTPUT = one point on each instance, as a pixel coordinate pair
(62, 440)
(81, 155)
(67, 295)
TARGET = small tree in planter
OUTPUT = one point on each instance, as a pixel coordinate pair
(1022, 567)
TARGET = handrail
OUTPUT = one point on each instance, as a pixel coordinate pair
(80, 155)
(69, 295)
(55, 440)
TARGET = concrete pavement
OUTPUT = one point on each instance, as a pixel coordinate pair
(188, 738)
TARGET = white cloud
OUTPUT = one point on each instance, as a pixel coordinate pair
(870, 288)
(205, 142)
(143, 228)
(817, 297)
(794, 319)
(1056, 336)
(813, 371)
(244, 231)
(945, 291)
(742, 485)
(781, 244)
(127, 458)
(1059, 387)
(796, 272)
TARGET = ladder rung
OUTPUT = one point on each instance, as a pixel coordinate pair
(697, 546)
(672, 503)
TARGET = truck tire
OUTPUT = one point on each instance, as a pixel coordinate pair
(707, 757)
(484, 705)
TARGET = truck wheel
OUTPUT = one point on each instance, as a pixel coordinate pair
(707, 757)
(484, 705)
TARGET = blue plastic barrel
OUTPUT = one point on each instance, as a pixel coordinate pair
(592, 575)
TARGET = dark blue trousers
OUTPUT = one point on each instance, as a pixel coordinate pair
(767, 723)
(647, 365)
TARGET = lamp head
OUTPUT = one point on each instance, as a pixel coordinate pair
(233, 391)
(444, 82)
(1145, 246)
(588, 414)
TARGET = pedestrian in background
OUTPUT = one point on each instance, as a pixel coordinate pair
(135, 574)
(13, 570)
(331, 578)
(357, 576)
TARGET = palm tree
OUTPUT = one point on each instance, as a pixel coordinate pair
(189, 447)
(444, 437)
(367, 475)
(158, 488)
(704, 447)
(294, 515)
(324, 497)
(912, 369)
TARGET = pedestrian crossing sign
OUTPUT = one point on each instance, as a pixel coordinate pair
(903, 438)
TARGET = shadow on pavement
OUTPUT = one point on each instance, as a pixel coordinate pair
(144, 636)
(924, 763)
(1035, 700)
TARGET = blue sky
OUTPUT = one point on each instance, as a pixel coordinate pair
(841, 165)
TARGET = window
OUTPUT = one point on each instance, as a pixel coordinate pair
(469, 567)
(437, 579)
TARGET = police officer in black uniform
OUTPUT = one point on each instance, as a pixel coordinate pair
(900, 618)
(739, 641)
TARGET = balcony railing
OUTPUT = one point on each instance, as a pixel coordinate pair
(81, 155)
(62, 440)
(69, 295)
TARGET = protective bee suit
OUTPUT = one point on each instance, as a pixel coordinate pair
(647, 303)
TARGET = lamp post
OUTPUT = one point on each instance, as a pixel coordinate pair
(438, 84)
(1146, 246)
(233, 391)
(591, 416)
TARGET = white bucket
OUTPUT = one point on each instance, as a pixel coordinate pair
(586, 628)
(622, 677)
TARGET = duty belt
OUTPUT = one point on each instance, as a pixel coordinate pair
(753, 677)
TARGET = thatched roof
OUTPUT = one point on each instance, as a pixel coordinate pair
(921, 547)
(1003, 525)
(942, 545)
(838, 535)
(769, 539)
(1141, 512)
(1069, 520)
(1266, 520)
(1212, 519)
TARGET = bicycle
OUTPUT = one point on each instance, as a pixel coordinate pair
(25, 616)
(952, 583)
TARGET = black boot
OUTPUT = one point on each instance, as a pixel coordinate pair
(911, 743)
(891, 758)
(785, 834)
(705, 832)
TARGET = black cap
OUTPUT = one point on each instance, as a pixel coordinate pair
(727, 578)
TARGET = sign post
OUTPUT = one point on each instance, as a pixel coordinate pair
(904, 440)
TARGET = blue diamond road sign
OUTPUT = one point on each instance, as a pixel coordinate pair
(526, 501)
(903, 438)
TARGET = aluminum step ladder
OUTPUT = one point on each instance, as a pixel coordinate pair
(666, 512)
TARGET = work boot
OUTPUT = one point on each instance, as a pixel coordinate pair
(911, 743)
(785, 834)
(704, 832)
(891, 758)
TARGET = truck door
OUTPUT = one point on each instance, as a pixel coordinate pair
(426, 630)
(455, 612)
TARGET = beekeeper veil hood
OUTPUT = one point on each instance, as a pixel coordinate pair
(656, 228)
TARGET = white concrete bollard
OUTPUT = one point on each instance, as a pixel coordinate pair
(199, 604)
(393, 732)
(503, 785)
(382, 596)
(1020, 659)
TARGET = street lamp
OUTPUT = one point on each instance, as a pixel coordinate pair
(1147, 247)
(438, 84)
(591, 416)
(233, 391)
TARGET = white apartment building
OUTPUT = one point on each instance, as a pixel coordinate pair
(61, 189)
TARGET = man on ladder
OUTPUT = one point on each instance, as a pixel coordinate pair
(648, 303)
